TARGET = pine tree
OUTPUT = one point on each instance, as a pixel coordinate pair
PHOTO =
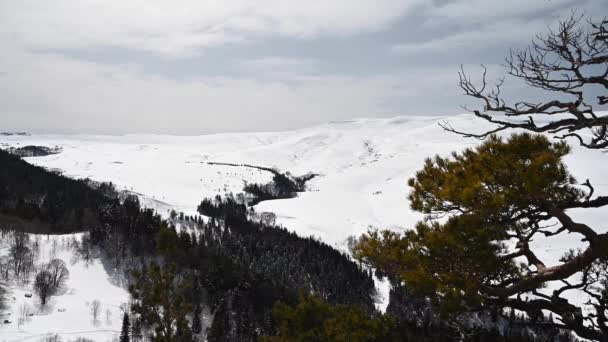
(125, 330)
(196, 320)
(136, 334)
(160, 290)
(313, 320)
(477, 204)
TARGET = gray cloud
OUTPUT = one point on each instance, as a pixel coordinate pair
(206, 66)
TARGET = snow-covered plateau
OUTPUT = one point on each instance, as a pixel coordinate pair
(363, 167)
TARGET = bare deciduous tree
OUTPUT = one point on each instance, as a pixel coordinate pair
(3, 304)
(108, 317)
(24, 311)
(20, 252)
(59, 272)
(565, 63)
(5, 267)
(50, 279)
(95, 309)
(43, 286)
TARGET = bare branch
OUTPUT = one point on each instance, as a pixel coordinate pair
(563, 62)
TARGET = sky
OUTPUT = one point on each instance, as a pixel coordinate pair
(207, 66)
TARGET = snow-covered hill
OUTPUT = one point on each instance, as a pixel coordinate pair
(363, 166)
(68, 314)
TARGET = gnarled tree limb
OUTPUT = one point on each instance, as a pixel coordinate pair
(564, 62)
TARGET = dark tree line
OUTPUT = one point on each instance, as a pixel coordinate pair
(33, 151)
(237, 267)
(283, 185)
(44, 201)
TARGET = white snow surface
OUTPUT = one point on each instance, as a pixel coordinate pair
(67, 314)
(363, 165)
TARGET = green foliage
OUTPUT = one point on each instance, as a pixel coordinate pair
(160, 299)
(136, 333)
(166, 241)
(496, 179)
(474, 202)
(314, 320)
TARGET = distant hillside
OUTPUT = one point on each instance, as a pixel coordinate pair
(7, 134)
(34, 151)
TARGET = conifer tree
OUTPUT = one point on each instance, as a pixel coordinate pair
(313, 320)
(569, 64)
(136, 333)
(473, 251)
(160, 300)
(196, 320)
(126, 329)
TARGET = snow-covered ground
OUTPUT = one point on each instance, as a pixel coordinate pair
(67, 314)
(363, 165)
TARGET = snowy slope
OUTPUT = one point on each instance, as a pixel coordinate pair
(363, 165)
(69, 313)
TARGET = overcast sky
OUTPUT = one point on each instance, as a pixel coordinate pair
(204, 66)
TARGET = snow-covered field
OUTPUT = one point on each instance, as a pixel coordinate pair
(363, 165)
(68, 314)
